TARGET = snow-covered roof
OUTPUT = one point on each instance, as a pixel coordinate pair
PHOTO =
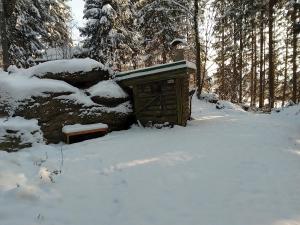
(157, 69)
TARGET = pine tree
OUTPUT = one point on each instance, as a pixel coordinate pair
(36, 25)
(110, 32)
(101, 18)
(161, 22)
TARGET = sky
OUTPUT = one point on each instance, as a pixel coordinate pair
(77, 13)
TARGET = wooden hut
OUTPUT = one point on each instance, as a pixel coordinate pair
(160, 93)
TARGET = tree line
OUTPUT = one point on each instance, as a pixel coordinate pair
(257, 51)
(252, 44)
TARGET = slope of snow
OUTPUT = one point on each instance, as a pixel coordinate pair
(225, 105)
(108, 88)
(224, 168)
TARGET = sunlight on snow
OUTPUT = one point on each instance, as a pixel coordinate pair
(10, 180)
(208, 118)
(287, 222)
(169, 159)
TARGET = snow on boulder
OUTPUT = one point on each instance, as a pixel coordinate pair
(108, 93)
(16, 89)
(225, 105)
(17, 133)
(81, 73)
(209, 97)
(55, 103)
(67, 66)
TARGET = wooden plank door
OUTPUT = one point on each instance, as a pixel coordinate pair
(156, 101)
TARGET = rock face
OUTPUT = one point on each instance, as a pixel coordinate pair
(107, 93)
(60, 98)
(13, 144)
(17, 133)
(53, 113)
(80, 80)
(80, 73)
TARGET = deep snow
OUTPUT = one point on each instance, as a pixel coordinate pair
(227, 167)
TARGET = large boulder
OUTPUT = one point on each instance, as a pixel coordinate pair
(80, 73)
(107, 93)
(53, 112)
(17, 133)
(55, 103)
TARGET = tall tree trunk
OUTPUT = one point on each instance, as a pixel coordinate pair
(285, 68)
(204, 66)
(264, 72)
(255, 69)
(241, 50)
(294, 58)
(164, 56)
(235, 74)
(198, 47)
(261, 72)
(4, 40)
(223, 94)
(252, 67)
(271, 55)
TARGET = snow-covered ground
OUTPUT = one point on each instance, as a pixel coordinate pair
(227, 167)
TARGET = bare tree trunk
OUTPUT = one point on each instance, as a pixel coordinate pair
(6, 10)
(294, 58)
(235, 74)
(204, 67)
(241, 50)
(285, 67)
(271, 56)
(262, 40)
(198, 47)
(255, 69)
(223, 94)
(4, 40)
(264, 72)
(164, 56)
(252, 67)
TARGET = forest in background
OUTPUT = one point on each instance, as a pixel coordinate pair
(246, 51)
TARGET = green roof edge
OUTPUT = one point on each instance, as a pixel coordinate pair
(155, 67)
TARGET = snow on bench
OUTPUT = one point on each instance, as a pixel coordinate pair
(80, 130)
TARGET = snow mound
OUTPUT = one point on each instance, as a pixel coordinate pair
(228, 106)
(209, 97)
(18, 87)
(20, 132)
(14, 89)
(288, 111)
(109, 89)
(67, 66)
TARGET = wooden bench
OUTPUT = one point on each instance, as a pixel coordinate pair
(83, 132)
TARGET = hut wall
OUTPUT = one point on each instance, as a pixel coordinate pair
(156, 101)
